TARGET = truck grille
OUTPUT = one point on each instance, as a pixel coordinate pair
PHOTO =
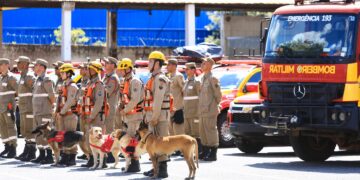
(310, 93)
(243, 118)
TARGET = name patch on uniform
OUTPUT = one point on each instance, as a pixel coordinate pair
(4, 84)
(190, 87)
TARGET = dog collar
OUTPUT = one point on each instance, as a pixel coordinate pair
(147, 135)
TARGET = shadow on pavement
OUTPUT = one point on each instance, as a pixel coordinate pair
(286, 154)
(121, 174)
(334, 167)
(12, 162)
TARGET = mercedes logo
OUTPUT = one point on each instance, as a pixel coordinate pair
(299, 91)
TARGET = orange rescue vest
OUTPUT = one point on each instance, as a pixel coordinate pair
(149, 99)
(88, 101)
(125, 98)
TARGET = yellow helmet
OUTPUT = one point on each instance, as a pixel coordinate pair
(66, 67)
(157, 55)
(125, 63)
(96, 66)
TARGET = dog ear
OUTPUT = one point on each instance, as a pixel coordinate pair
(143, 125)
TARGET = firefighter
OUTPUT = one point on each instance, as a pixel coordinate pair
(176, 88)
(66, 110)
(8, 90)
(191, 102)
(119, 118)
(27, 122)
(209, 100)
(131, 108)
(84, 72)
(57, 87)
(43, 103)
(157, 105)
(95, 107)
(111, 81)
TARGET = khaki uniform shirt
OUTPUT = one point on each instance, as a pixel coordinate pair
(210, 96)
(98, 95)
(135, 97)
(176, 88)
(161, 95)
(191, 98)
(112, 86)
(8, 88)
(42, 92)
(25, 89)
(71, 96)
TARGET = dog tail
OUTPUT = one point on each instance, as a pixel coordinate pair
(197, 154)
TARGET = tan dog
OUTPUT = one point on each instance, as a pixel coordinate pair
(167, 145)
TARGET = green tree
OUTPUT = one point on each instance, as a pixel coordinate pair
(214, 27)
(78, 36)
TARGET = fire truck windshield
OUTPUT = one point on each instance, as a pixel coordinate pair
(311, 38)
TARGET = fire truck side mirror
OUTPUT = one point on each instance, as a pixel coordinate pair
(263, 38)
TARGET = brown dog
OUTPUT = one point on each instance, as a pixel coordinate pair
(167, 145)
(66, 139)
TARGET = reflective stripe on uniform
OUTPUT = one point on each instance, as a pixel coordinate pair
(46, 120)
(25, 94)
(196, 121)
(9, 139)
(8, 114)
(29, 116)
(41, 95)
(32, 140)
(7, 93)
(191, 97)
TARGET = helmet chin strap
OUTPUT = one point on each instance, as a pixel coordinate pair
(127, 72)
(153, 66)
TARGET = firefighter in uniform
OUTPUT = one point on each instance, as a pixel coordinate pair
(209, 100)
(157, 105)
(8, 88)
(111, 81)
(94, 106)
(27, 122)
(57, 88)
(43, 102)
(84, 72)
(191, 102)
(131, 108)
(176, 88)
(66, 110)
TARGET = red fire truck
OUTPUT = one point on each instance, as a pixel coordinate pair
(310, 83)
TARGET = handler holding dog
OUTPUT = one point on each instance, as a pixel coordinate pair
(157, 105)
(132, 108)
(43, 102)
(95, 107)
(66, 109)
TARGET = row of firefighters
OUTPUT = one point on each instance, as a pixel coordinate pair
(169, 104)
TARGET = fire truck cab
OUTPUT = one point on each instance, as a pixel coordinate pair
(310, 77)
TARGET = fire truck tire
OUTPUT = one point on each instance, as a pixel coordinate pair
(311, 149)
(225, 137)
(249, 147)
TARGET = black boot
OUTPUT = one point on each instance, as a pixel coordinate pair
(40, 157)
(104, 163)
(212, 154)
(49, 157)
(199, 145)
(134, 166)
(31, 153)
(72, 160)
(162, 170)
(82, 157)
(5, 151)
(176, 153)
(204, 153)
(149, 173)
(110, 158)
(12, 152)
(24, 153)
(64, 159)
(90, 162)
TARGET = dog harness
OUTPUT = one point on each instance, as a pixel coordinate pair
(130, 148)
(59, 137)
(106, 146)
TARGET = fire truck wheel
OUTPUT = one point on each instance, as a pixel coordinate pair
(225, 137)
(312, 149)
(249, 147)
